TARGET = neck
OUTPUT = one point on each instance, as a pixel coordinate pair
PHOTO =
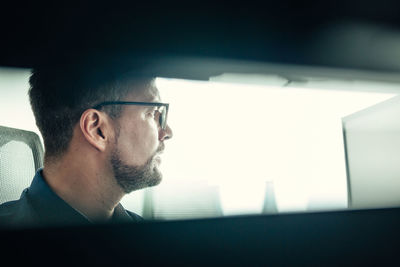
(85, 184)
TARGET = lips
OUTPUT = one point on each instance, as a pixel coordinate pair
(160, 149)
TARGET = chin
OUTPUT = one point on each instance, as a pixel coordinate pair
(157, 178)
(132, 178)
(154, 183)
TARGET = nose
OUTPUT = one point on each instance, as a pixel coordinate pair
(166, 133)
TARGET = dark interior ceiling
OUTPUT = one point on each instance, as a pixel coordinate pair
(346, 34)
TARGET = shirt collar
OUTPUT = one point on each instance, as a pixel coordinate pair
(51, 208)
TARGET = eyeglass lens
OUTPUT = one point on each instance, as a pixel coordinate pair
(162, 118)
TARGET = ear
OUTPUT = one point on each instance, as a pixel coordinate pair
(96, 128)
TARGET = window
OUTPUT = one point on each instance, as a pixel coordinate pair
(242, 144)
(255, 148)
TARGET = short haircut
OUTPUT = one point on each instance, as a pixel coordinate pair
(59, 96)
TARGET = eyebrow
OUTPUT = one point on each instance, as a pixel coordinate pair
(151, 107)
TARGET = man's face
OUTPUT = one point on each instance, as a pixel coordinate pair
(135, 156)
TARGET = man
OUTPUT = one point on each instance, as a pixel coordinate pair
(103, 135)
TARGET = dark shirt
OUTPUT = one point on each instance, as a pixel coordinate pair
(40, 206)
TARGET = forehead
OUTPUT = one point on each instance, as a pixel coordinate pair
(147, 93)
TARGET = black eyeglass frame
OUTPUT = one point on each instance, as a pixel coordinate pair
(162, 120)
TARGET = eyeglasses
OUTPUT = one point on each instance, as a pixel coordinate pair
(163, 108)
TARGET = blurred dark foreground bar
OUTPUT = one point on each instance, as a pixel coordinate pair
(356, 237)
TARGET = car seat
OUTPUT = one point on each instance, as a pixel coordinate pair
(21, 154)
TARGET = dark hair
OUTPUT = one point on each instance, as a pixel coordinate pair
(60, 95)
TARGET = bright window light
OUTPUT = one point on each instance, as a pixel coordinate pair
(15, 107)
(241, 138)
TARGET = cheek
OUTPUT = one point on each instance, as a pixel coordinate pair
(150, 140)
(138, 145)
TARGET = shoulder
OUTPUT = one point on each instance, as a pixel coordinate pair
(9, 211)
(9, 208)
(16, 213)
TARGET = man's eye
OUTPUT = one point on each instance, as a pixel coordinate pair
(154, 113)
